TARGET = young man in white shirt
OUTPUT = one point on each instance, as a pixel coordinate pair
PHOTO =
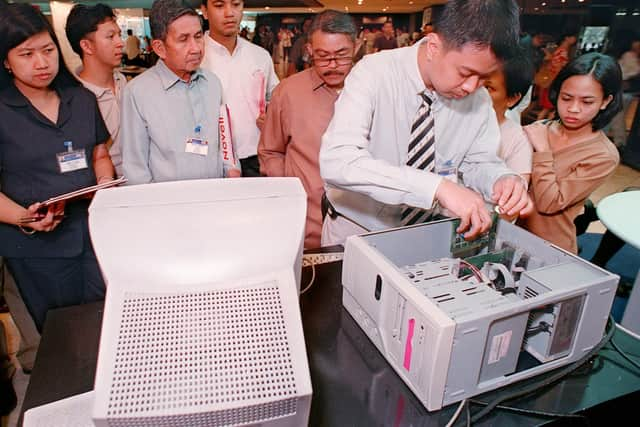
(94, 35)
(365, 150)
(247, 75)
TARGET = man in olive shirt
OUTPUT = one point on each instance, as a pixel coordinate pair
(301, 108)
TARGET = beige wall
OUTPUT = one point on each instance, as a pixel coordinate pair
(59, 13)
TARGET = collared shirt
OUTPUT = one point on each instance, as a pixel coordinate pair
(29, 169)
(364, 149)
(160, 112)
(298, 115)
(109, 104)
(241, 74)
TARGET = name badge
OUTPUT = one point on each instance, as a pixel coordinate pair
(448, 171)
(73, 160)
(197, 146)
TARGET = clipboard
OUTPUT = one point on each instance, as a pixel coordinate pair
(83, 191)
(70, 196)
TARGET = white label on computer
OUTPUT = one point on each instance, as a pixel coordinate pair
(499, 347)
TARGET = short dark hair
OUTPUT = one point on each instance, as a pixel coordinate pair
(606, 71)
(164, 12)
(334, 22)
(83, 20)
(483, 23)
(518, 74)
(18, 22)
(129, 32)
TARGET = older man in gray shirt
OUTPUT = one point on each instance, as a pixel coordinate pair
(169, 125)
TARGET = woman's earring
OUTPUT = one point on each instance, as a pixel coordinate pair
(9, 71)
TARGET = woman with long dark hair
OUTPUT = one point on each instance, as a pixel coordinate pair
(52, 141)
(572, 155)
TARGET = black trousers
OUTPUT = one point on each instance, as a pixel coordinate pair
(250, 167)
(47, 283)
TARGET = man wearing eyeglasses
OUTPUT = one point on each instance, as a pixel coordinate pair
(301, 108)
(411, 120)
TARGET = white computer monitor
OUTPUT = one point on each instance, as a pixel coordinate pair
(201, 323)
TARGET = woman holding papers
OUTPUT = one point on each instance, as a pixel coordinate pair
(52, 141)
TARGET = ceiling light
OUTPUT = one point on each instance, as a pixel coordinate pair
(544, 3)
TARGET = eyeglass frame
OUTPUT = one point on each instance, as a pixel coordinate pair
(339, 60)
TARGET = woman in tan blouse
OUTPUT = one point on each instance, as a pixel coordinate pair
(572, 156)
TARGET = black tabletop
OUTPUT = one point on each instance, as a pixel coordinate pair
(353, 385)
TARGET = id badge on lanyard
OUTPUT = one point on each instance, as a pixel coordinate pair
(448, 171)
(197, 144)
(71, 160)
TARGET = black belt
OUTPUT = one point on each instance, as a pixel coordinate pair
(327, 209)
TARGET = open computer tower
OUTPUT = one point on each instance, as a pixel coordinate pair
(201, 322)
(458, 318)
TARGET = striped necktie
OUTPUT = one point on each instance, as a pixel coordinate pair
(421, 154)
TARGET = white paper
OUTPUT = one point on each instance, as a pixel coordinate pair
(74, 411)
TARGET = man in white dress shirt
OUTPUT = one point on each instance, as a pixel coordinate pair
(247, 75)
(363, 158)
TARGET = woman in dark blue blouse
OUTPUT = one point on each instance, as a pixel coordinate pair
(52, 141)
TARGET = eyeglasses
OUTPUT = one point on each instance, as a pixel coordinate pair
(340, 60)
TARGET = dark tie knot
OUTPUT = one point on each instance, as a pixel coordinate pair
(426, 98)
